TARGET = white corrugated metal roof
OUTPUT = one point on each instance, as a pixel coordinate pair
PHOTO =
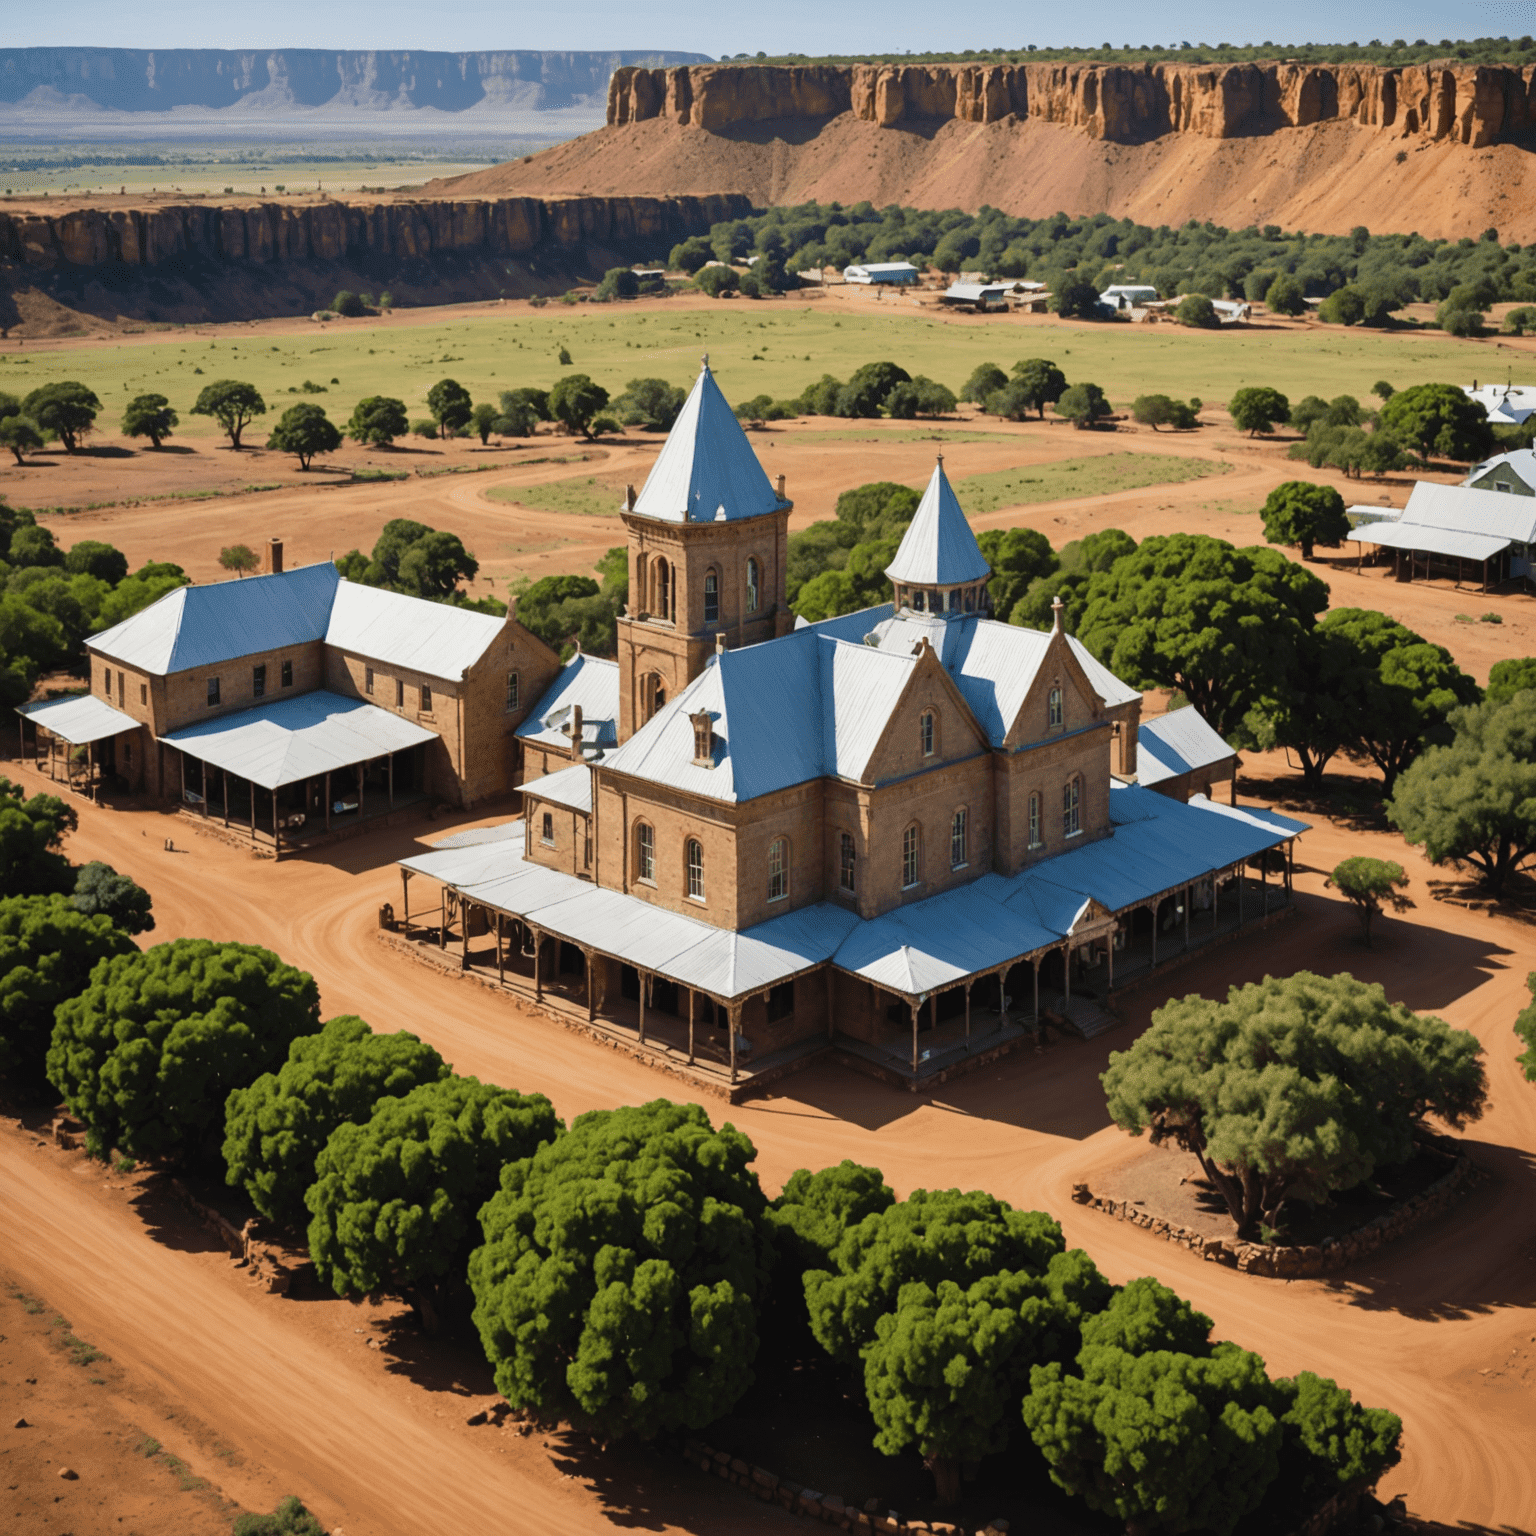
(1465, 509)
(585, 680)
(1505, 403)
(202, 626)
(436, 638)
(1423, 536)
(938, 548)
(1522, 461)
(299, 738)
(79, 718)
(1176, 743)
(972, 293)
(706, 471)
(570, 787)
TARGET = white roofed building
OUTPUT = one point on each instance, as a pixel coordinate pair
(1506, 405)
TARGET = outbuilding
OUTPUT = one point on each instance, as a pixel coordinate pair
(1506, 405)
(901, 274)
(977, 296)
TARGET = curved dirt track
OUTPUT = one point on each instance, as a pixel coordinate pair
(1439, 1328)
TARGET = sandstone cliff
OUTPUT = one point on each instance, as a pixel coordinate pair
(1475, 105)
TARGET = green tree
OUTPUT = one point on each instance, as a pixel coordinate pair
(1042, 383)
(394, 1198)
(716, 281)
(276, 1128)
(1018, 557)
(650, 403)
(575, 400)
(149, 416)
(1082, 405)
(434, 566)
(1302, 513)
(623, 1267)
(378, 420)
(1511, 676)
(537, 399)
(1437, 419)
(1370, 884)
(985, 380)
(618, 283)
(35, 545)
(1258, 409)
(814, 1210)
(919, 396)
(1186, 611)
(1460, 313)
(304, 430)
(517, 419)
(1195, 309)
(148, 1053)
(239, 558)
(92, 557)
(48, 949)
(1286, 296)
(827, 595)
(21, 435)
(933, 1235)
(450, 405)
(1079, 561)
(689, 255)
(1525, 1028)
(101, 892)
(65, 410)
(1294, 1088)
(868, 389)
(1078, 300)
(31, 832)
(1331, 1443)
(1382, 390)
(485, 419)
(290, 1518)
(1473, 800)
(348, 304)
(1163, 411)
(146, 585)
(232, 404)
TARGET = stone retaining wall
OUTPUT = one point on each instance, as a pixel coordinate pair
(1289, 1263)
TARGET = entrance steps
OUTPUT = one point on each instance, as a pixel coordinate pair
(1082, 1015)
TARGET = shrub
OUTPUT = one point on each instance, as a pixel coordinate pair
(349, 304)
(717, 281)
(378, 420)
(1163, 411)
(1083, 405)
(100, 890)
(1195, 309)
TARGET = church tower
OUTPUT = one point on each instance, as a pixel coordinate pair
(939, 567)
(708, 546)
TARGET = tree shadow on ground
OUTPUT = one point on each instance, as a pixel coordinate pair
(450, 1361)
(168, 1222)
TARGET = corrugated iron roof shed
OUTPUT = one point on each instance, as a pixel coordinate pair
(938, 549)
(1176, 743)
(1451, 542)
(299, 738)
(706, 470)
(79, 719)
(585, 680)
(201, 626)
(436, 638)
(570, 787)
(1469, 510)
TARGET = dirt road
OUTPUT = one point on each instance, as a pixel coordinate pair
(1441, 1329)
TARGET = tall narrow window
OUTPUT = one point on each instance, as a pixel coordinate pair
(711, 598)
(778, 870)
(106, 682)
(213, 692)
(1034, 821)
(143, 693)
(547, 831)
(753, 583)
(845, 856)
(368, 681)
(958, 839)
(658, 696)
(917, 602)
(1053, 708)
(910, 864)
(645, 854)
(925, 731)
(287, 674)
(122, 687)
(954, 599)
(399, 693)
(259, 681)
(512, 691)
(695, 860)
(663, 590)
(426, 699)
(1072, 807)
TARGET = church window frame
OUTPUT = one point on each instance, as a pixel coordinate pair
(1072, 807)
(754, 585)
(778, 869)
(912, 857)
(645, 853)
(928, 732)
(847, 864)
(1035, 839)
(1055, 708)
(693, 864)
(711, 596)
(960, 838)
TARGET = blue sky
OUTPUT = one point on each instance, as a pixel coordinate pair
(716, 27)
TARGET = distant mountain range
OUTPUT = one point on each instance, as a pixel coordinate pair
(133, 93)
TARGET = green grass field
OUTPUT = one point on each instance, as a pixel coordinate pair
(1067, 478)
(585, 498)
(755, 348)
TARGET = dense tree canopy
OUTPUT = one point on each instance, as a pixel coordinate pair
(1293, 1087)
(378, 420)
(1303, 514)
(622, 1272)
(149, 416)
(1433, 420)
(1079, 562)
(1082, 405)
(575, 400)
(304, 430)
(450, 405)
(65, 410)
(232, 404)
(1258, 409)
(31, 831)
(650, 403)
(101, 891)
(412, 558)
(147, 1054)
(276, 1128)
(1508, 677)
(1525, 1028)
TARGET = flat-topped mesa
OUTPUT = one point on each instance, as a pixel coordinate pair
(1473, 104)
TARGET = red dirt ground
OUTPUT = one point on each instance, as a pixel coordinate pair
(1438, 1327)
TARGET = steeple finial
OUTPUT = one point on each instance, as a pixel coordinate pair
(704, 361)
(1056, 614)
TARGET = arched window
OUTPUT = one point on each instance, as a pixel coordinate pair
(845, 858)
(917, 602)
(513, 692)
(1053, 708)
(778, 869)
(694, 858)
(645, 853)
(711, 597)
(547, 830)
(754, 584)
(1072, 807)
(663, 590)
(911, 856)
(925, 732)
(1034, 821)
(959, 839)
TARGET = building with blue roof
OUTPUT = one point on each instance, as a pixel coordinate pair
(905, 835)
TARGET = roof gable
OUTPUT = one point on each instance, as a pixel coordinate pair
(1465, 509)
(938, 548)
(706, 470)
(1177, 743)
(201, 626)
(1057, 663)
(589, 681)
(436, 638)
(887, 760)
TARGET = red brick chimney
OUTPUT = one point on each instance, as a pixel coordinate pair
(576, 749)
(275, 557)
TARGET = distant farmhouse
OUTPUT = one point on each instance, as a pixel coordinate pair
(902, 837)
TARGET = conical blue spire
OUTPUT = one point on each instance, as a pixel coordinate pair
(939, 549)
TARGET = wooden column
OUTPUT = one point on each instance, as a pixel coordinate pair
(1157, 910)
(1037, 991)
(1264, 879)
(693, 998)
(224, 780)
(831, 996)
(181, 755)
(1109, 956)
(591, 993)
(538, 957)
(361, 769)
(1066, 975)
(90, 769)
(968, 1015)
(915, 1009)
(733, 1023)
(1290, 867)
(391, 761)
(405, 902)
(463, 934)
(204, 767)
(1242, 873)
(1215, 900)
(643, 979)
(442, 921)
(250, 784)
(501, 954)
(327, 799)
(1189, 901)
(277, 834)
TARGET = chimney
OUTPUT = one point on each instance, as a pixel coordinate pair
(719, 642)
(576, 732)
(781, 487)
(1056, 614)
(629, 498)
(275, 557)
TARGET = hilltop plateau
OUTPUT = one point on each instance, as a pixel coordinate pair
(1444, 150)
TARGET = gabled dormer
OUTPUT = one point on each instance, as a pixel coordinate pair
(927, 726)
(1061, 699)
(939, 567)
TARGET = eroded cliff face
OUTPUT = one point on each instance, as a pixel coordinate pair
(172, 235)
(1475, 105)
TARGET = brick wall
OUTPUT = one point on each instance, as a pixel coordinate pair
(568, 847)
